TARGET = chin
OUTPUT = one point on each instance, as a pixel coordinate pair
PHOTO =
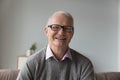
(60, 45)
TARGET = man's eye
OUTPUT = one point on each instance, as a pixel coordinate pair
(55, 27)
(68, 28)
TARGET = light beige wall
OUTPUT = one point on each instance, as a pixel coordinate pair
(119, 34)
(0, 43)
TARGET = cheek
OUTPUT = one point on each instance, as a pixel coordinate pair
(70, 36)
(50, 35)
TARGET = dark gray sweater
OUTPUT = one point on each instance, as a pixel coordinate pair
(38, 68)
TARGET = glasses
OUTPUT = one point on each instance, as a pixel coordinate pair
(56, 27)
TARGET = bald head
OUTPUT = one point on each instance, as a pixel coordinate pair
(63, 15)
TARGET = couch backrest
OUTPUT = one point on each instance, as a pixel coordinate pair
(8, 74)
(12, 75)
(107, 76)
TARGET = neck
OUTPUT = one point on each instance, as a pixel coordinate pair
(59, 52)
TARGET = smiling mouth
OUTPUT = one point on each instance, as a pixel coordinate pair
(60, 38)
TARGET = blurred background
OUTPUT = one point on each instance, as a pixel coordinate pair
(96, 25)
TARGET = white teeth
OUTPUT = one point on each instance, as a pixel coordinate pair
(60, 38)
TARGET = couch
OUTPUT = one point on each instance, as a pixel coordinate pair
(107, 76)
(8, 74)
(12, 75)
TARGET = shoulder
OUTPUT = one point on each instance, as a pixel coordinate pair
(78, 57)
(38, 56)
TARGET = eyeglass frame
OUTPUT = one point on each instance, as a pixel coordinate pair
(62, 27)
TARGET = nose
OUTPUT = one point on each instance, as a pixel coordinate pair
(61, 31)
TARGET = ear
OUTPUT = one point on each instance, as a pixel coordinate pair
(46, 31)
(72, 34)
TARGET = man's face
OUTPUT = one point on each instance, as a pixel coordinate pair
(59, 38)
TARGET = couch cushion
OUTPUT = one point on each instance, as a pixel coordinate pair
(8, 74)
(107, 76)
